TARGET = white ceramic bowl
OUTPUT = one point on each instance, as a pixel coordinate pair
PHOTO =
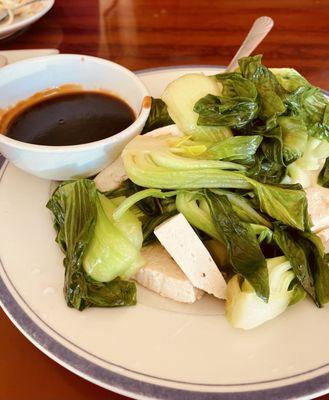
(21, 80)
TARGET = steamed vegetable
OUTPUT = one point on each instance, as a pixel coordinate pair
(301, 171)
(193, 205)
(126, 204)
(213, 214)
(114, 249)
(235, 107)
(283, 203)
(243, 207)
(309, 103)
(289, 78)
(238, 148)
(305, 252)
(216, 110)
(158, 116)
(151, 210)
(251, 102)
(294, 138)
(324, 175)
(236, 86)
(245, 310)
(242, 246)
(78, 217)
(180, 97)
(235, 222)
(269, 90)
(311, 107)
(151, 162)
(280, 106)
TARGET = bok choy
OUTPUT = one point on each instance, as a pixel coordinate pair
(235, 107)
(305, 252)
(245, 310)
(153, 162)
(114, 249)
(242, 246)
(97, 251)
(180, 97)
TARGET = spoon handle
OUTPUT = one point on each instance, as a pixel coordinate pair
(257, 33)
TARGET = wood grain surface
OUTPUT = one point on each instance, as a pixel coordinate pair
(151, 33)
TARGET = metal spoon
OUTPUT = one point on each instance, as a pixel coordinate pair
(4, 14)
(257, 33)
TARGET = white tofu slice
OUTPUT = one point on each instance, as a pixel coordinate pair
(324, 236)
(111, 177)
(182, 243)
(318, 207)
(162, 275)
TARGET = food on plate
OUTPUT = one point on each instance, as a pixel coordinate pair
(15, 9)
(191, 255)
(162, 275)
(324, 236)
(95, 246)
(68, 115)
(318, 207)
(180, 97)
(224, 194)
(244, 309)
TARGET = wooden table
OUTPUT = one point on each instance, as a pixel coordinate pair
(149, 33)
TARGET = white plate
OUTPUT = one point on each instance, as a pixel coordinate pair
(21, 23)
(159, 349)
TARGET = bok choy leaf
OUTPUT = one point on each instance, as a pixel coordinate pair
(150, 162)
(323, 179)
(283, 204)
(216, 110)
(269, 90)
(236, 106)
(245, 310)
(153, 163)
(289, 78)
(305, 252)
(294, 138)
(75, 209)
(236, 148)
(180, 97)
(312, 160)
(158, 116)
(236, 86)
(194, 207)
(114, 249)
(243, 248)
(243, 208)
(152, 210)
(310, 104)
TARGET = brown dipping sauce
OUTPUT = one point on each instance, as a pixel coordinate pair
(69, 118)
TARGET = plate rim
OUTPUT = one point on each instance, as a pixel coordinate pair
(130, 386)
